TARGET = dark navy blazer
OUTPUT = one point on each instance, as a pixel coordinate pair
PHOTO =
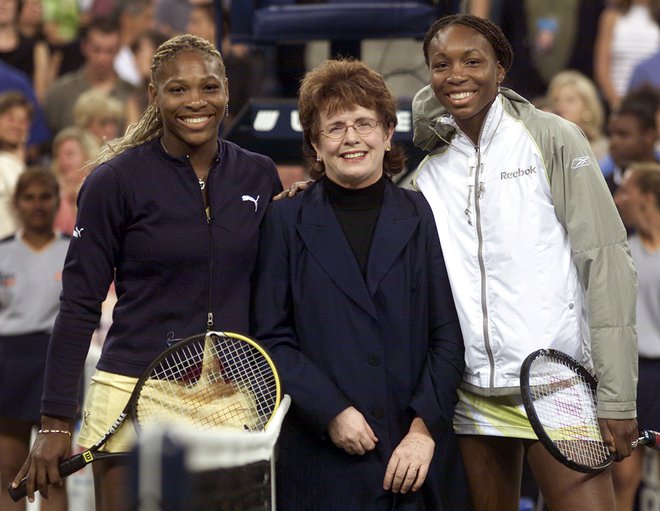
(388, 344)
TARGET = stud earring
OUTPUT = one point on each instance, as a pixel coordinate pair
(388, 148)
(318, 158)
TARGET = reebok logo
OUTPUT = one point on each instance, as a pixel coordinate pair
(582, 161)
(518, 173)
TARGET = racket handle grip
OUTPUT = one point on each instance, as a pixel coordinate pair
(67, 467)
(650, 439)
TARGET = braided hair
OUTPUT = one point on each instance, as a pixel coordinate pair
(488, 29)
(150, 124)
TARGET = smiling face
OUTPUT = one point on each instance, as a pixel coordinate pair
(353, 161)
(465, 75)
(191, 94)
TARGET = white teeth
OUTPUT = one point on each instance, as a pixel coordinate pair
(353, 155)
(195, 120)
(461, 95)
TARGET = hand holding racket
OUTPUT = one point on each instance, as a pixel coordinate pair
(209, 381)
(559, 396)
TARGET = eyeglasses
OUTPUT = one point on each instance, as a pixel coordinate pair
(363, 128)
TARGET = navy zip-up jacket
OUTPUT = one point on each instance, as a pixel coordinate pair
(141, 221)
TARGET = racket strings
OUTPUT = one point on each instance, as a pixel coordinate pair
(565, 404)
(211, 382)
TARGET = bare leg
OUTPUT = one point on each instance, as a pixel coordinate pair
(111, 485)
(494, 469)
(57, 499)
(568, 490)
(627, 476)
(14, 448)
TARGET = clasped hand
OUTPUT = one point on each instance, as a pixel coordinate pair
(409, 464)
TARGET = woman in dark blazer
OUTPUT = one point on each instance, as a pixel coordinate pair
(353, 300)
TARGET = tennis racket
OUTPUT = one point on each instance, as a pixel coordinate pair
(209, 381)
(559, 396)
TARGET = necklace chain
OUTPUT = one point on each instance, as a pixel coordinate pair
(200, 180)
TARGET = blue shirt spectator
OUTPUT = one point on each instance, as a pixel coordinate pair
(12, 79)
(647, 72)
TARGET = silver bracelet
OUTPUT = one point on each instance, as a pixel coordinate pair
(62, 431)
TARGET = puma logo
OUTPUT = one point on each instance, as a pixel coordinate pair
(77, 232)
(246, 198)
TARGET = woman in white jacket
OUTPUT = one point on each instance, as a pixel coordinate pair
(537, 258)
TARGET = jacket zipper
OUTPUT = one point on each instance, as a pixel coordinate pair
(479, 190)
(207, 218)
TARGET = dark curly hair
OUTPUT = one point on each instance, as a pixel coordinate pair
(488, 29)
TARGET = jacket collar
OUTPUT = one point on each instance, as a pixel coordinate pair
(323, 236)
(434, 128)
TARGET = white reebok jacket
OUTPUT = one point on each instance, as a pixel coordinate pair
(548, 263)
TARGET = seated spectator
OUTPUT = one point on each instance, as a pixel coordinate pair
(15, 118)
(135, 17)
(11, 79)
(16, 113)
(99, 114)
(31, 56)
(574, 97)
(632, 132)
(73, 149)
(143, 48)
(99, 47)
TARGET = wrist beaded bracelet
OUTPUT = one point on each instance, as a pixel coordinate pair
(62, 431)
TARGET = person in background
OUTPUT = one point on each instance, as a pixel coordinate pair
(638, 200)
(31, 264)
(144, 48)
(164, 216)
(520, 205)
(135, 18)
(13, 80)
(632, 134)
(574, 97)
(352, 299)
(627, 34)
(99, 114)
(547, 38)
(73, 150)
(15, 118)
(16, 114)
(29, 55)
(99, 46)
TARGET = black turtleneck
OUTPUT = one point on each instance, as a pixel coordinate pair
(357, 212)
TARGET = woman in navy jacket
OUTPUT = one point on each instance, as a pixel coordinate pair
(353, 300)
(172, 215)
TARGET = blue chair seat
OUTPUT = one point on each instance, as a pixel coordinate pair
(287, 22)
